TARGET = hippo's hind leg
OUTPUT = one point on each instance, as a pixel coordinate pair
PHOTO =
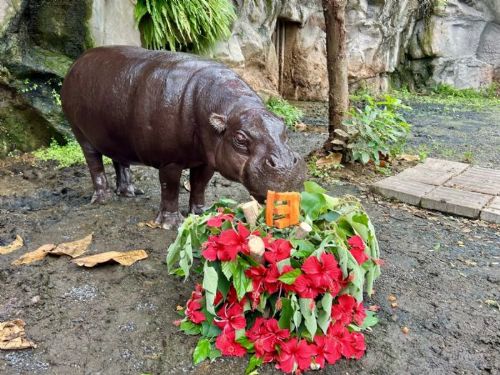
(169, 216)
(199, 178)
(124, 184)
(96, 168)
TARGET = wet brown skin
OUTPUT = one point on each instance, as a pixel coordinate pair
(174, 111)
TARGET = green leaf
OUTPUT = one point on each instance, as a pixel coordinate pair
(210, 281)
(286, 314)
(189, 328)
(228, 268)
(253, 363)
(202, 351)
(290, 277)
(245, 342)
(240, 282)
(324, 315)
(312, 204)
(313, 187)
(309, 315)
(370, 320)
(209, 330)
(214, 354)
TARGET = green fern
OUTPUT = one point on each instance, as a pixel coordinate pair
(193, 25)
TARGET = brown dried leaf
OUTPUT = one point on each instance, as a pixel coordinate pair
(392, 298)
(73, 249)
(13, 336)
(126, 258)
(150, 224)
(408, 157)
(335, 158)
(34, 256)
(13, 246)
(405, 330)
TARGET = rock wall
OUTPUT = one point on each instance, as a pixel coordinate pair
(39, 40)
(409, 42)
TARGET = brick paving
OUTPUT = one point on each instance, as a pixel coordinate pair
(447, 186)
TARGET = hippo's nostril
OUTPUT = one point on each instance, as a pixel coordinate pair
(295, 160)
(271, 162)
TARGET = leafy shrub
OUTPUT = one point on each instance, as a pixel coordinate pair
(192, 25)
(377, 130)
(65, 155)
(290, 114)
(445, 90)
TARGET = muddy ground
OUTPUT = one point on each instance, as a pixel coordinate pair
(443, 270)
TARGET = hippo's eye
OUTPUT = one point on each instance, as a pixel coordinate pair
(240, 140)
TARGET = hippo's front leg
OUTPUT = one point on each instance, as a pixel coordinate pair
(198, 179)
(169, 216)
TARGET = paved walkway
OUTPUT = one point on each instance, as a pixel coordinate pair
(447, 186)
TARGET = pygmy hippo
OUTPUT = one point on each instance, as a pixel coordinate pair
(174, 111)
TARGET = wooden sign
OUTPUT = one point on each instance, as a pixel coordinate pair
(282, 209)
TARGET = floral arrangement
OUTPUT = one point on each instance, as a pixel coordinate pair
(291, 296)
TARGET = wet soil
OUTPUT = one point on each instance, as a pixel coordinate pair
(444, 272)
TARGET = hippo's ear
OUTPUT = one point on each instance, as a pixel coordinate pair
(218, 122)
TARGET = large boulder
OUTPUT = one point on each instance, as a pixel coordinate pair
(39, 40)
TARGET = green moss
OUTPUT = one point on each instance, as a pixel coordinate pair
(66, 155)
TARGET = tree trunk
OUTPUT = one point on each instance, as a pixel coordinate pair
(336, 51)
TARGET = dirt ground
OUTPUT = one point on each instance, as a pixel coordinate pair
(443, 270)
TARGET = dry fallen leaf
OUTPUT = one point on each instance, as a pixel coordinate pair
(394, 305)
(13, 246)
(124, 258)
(408, 157)
(34, 256)
(74, 248)
(405, 330)
(150, 224)
(13, 336)
(392, 298)
(332, 159)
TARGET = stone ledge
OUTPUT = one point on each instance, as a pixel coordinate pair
(433, 171)
(477, 179)
(454, 201)
(492, 211)
(406, 191)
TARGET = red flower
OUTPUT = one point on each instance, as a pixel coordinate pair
(266, 334)
(325, 274)
(235, 241)
(193, 306)
(328, 348)
(305, 287)
(353, 345)
(263, 280)
(357, 249)
(277, 250)
(214, 249)
(227, 344)
(216, 221)
(230, 317)
(295, 355)
(347, 310)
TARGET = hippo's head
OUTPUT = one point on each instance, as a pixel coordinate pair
(252, 149)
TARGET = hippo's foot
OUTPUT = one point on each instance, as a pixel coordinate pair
(128, 191)
(197, 209)
(169, 220)
(101, 196)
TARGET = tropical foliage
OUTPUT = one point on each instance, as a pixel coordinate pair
(180, 25)
(378, 130)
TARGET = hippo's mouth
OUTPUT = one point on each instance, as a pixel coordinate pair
(258, 197)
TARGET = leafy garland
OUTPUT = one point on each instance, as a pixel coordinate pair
(280, 295)
(193, 25)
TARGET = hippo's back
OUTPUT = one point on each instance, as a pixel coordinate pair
(130, 103)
